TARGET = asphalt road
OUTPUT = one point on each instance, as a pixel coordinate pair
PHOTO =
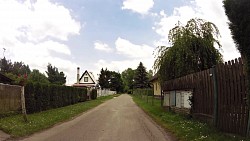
(118, 119)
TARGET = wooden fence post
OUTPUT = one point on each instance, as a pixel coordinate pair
(23, 105)
(214, 75)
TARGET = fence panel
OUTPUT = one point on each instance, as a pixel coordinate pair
(232, 110)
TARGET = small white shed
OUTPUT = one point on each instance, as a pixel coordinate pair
(177, 99)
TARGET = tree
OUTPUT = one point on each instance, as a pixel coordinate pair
(150, 74)
(36, 76)
(192, 50)
(6, 65)
(19, 68)
(141, 79)
(116, 83)
(127, 78)
(238, 13)
(54, 76)
(104, 78)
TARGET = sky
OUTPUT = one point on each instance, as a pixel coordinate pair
(95, 34)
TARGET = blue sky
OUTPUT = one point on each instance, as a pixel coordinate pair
(95, 34)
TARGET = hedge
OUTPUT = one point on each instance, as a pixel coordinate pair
(40, 97)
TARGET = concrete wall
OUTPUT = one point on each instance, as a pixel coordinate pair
(105, 92)
(10, 98)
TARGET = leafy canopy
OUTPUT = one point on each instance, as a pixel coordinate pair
(127, 78)
(191, 50)
(54, 76)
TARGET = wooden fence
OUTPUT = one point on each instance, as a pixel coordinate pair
(219, 95)
(10, 98)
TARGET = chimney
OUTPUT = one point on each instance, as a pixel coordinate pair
(78, 75)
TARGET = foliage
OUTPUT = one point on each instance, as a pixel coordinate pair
(116, 83)
(54, 76)
(16, 68)
(111, 80)
(6, 65)
(93, 94)
(127, 78)
(150, 74)
(144, 92)
(141, 77)
(104, 78)
(15, 126)
(36, 76)
(40, 97)
(238, 13)
(192, 50)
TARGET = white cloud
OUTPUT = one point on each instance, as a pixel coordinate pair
(28, 31)
(102, 46)
(131, 50)
(135, 54)
(138, 6)
(209, 10)
(120, 66)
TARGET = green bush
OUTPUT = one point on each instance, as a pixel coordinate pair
(40, 97)
(144, 92)
(93, 94)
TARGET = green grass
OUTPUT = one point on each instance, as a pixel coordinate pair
(181, 127)
(16, 127)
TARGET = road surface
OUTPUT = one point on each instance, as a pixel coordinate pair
(118, 119)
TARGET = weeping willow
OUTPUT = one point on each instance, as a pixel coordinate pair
(192, 49)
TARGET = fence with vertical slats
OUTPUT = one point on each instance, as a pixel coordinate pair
(226, 106)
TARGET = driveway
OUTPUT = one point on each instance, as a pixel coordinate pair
(118, 119)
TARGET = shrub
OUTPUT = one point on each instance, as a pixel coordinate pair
(93, 94)
(40, 97)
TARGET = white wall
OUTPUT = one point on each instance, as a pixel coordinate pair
(177, 98)
(104, 92)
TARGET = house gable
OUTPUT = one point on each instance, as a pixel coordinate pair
(87, 78)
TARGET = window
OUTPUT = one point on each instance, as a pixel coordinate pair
(85, 79)
(156, 86)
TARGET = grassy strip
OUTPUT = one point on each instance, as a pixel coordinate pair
(16, 127)
(183, 128)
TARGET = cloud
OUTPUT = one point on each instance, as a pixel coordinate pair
(120, 66)
(131, 50)
(35, 32)
(209, 10)
(138, 6)
(134, 53)
(102, 47)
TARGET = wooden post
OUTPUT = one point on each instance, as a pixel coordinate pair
(23, 105)
(214, 75)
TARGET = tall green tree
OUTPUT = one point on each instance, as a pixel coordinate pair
(54, 76)
(36, 76)
(192, 49)
(141, 77)
(238, 13)
(116, 83)
(127, 78)
(104, 78)
(5, 65)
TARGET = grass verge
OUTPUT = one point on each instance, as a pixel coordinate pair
(16, 127)
(183, 128)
